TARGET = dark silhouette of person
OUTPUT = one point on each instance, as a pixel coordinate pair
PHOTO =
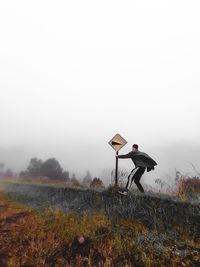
(142, 161)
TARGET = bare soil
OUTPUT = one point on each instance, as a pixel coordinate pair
(9, 218)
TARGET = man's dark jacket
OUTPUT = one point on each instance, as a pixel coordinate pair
(140, 159)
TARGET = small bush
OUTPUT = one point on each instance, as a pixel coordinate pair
(188, 186)
(96, 182)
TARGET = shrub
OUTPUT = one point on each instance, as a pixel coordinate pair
(75, 184)
(188, 186)
(96, 182)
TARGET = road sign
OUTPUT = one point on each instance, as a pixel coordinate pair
(117, 142)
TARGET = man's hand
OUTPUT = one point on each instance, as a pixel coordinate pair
(116, 156)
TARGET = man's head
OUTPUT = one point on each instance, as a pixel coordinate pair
(134, 147)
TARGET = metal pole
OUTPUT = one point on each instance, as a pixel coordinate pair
(116, 170)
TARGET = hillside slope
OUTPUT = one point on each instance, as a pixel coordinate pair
(151, 208)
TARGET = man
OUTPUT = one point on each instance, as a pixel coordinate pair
(141, 161)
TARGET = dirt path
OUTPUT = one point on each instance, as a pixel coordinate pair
(10, 219)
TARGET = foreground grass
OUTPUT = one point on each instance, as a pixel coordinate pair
(51, 238)
(150, 208)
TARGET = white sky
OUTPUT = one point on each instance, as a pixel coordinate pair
(75, 73)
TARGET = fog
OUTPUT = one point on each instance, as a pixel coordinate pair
(75, 73)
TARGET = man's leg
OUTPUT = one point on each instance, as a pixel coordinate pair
(126, 188)
(137, 177)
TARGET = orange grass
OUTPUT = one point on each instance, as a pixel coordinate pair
(51, 238)
(188, 186)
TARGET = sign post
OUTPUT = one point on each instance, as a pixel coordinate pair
(117, 142)
(116, 170)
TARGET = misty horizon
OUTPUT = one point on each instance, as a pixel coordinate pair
(74, 74)
(17, 159)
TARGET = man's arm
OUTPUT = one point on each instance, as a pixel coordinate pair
(127, 156)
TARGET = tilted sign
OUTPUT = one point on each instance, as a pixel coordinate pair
(117, 142)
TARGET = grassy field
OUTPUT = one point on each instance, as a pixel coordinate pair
(87, 227)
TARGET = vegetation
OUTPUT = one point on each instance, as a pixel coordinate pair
(96, 227)
(150, 208)
(185, 186)
(189, 188)
(51, 238)
(5, 173)
(87, 179)
(96, 182)
(50, 168)
(51, 171)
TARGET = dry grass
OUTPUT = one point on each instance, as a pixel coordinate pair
(189, 188)
(51, 238)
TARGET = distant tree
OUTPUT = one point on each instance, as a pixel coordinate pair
(73, 176)
(9, 173)
(1, 165)
(87, 179)
(52, 169)
(65, 176)
(1, 169)
(35, 167)
(73, 179)
(24, 174)
(96, 182)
